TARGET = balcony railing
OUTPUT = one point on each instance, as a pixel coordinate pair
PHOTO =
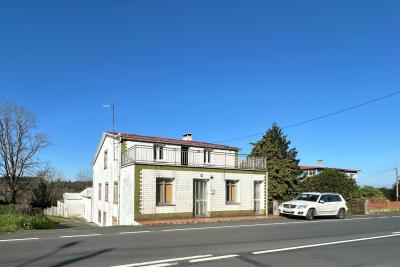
(191, 157)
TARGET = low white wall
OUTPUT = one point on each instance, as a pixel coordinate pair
(87, 212)
(74, 208)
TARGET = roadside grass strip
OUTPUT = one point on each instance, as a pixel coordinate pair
(71, 236)
(213, 258)
(325, 244)
(19, 239)
(158, 262)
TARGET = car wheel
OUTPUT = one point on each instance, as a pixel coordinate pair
(310, 214)
(341, 214)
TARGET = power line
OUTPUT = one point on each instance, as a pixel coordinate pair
(317, 118)
(376, 174)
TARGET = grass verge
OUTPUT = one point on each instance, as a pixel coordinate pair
(12, 219)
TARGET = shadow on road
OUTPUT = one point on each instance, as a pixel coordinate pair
(66, 262)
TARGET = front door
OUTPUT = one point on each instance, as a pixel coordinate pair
(257, 197)
(200, 198)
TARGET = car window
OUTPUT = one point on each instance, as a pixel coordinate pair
(308, 197)
(332, 198)
(337, 198)
(324, 198)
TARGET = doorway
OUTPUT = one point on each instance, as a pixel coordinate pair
(257, 197)
(200, 198)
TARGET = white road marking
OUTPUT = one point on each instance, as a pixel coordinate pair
(19, 239)
(214, 258)
(137, 232)
(325, 244)
(396, 233)
(262, 224)
(162, 265)
(163, 261)
(68, 236)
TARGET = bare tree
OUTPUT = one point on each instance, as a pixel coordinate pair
(19, 145)
(84, 176)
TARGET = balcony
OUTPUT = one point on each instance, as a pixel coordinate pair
(192, 157)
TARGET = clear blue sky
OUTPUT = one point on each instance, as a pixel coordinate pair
(218, 69)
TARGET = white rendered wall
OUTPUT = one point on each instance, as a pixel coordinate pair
(127, 194)
(74, 208)
(109, 175)
(87, 212)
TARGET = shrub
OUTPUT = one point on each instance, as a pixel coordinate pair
(330, 180)
(369, 192)
(14, 218)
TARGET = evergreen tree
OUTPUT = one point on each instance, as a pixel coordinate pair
(41, 195)
(282, 163)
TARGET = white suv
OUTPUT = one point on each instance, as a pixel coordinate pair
(310, 205)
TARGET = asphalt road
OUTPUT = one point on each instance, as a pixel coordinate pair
(357, 241)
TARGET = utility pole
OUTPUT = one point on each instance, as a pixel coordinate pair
(397, 183)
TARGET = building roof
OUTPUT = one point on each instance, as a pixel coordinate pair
(154, 139)
(323, 168)
(72, 196)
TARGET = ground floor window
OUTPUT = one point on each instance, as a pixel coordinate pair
(114, 221)
(99, 216)
(104, 218)
(232, 192)
(164, 188)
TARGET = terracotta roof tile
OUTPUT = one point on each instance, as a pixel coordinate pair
(144, 138)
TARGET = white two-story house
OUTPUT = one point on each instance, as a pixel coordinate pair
(139, 177)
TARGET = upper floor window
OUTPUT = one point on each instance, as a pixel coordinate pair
(105, 159)
(207, 156)
(158, 152)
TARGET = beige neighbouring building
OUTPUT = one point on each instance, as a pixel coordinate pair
(139, 177)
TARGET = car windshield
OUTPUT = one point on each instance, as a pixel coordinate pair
(308, 197)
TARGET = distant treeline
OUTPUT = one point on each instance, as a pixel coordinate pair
(39, 192)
